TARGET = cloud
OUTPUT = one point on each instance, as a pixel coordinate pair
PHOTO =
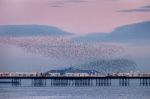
(140, 9)
(146, 7)
(61, 3)
(135, 10)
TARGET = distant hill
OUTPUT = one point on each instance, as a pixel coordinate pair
(31, 30)
(93, 37)
(127, 33)
(137, 31)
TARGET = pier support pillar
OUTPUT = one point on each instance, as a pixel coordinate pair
(38, 82)
(16, 82)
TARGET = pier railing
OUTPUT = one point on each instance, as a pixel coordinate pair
(113, 75)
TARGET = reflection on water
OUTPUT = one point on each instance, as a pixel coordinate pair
(113, 92)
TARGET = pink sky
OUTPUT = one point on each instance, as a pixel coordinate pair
(75, 16)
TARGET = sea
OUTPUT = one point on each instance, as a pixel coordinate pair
(7, 91)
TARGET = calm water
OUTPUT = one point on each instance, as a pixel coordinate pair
(113, 92)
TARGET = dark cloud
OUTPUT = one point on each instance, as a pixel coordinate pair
(140, 9)
(135, 10)
(61, 3)
(78, 1)
(146, 7)
(56, 6)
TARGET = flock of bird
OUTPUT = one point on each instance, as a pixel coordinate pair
(64, 47)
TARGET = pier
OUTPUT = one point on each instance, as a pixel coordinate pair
(42, 80)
